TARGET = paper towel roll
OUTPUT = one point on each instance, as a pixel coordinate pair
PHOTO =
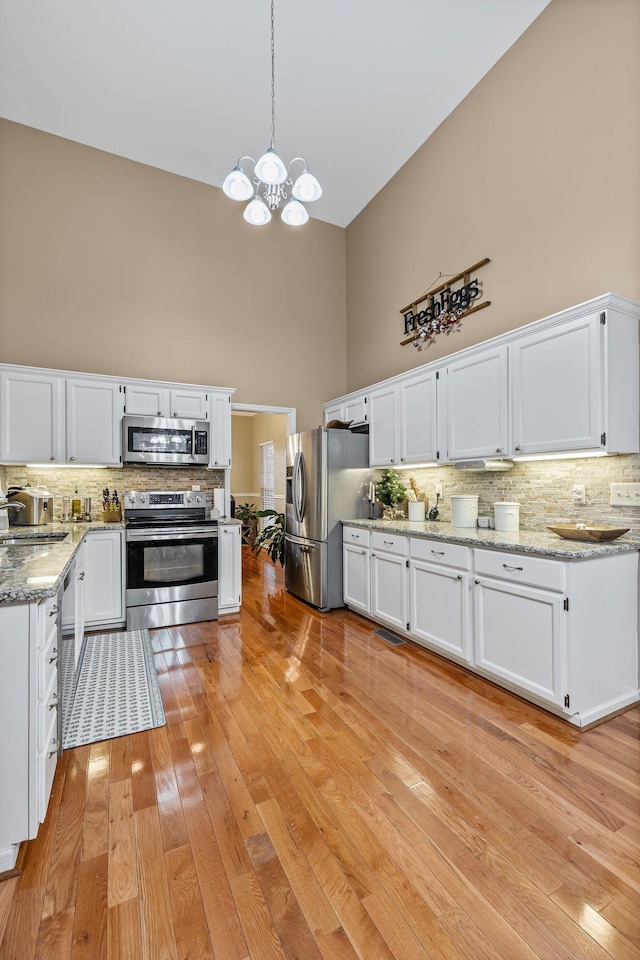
(218, 500)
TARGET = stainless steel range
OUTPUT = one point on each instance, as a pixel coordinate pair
(172, 558)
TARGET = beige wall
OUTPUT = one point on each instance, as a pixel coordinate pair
(241, 476)
(113, 267)
(536, 169)
(271, 426)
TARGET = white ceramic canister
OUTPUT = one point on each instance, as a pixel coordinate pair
(507, 516)
(464, 510)
(417, 510)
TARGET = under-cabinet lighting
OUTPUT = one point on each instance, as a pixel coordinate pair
(566, 456)
(66, 466)
(416, 466)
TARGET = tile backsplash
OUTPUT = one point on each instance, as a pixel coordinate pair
(542, 488)
(90, 483)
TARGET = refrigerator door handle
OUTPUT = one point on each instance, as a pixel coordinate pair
(299, 487)
(301, 542)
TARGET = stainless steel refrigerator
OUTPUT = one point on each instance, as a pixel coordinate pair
(327, 481)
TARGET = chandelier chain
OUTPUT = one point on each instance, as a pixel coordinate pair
(273, 83)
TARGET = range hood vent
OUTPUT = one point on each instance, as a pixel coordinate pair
(485, 466)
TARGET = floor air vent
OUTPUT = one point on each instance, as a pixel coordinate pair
(389, 637)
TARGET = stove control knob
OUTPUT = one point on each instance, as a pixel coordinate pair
(198, 498)
(143, 498)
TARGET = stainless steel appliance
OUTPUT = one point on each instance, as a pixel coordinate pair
(327, 481)
(170, 442)
(172, 558)
(37, 504)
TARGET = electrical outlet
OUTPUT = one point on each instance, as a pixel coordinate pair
(625, 495)
(578, 493)
(439, 490)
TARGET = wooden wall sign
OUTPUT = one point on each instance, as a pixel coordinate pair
(440, 310)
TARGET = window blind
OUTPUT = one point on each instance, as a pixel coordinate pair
(267, 478)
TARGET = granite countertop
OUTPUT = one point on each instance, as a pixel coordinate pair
(523, 541)
(36, 572)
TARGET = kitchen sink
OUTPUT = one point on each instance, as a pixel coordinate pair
(32, 541)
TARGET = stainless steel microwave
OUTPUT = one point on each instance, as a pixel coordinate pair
(162, 441)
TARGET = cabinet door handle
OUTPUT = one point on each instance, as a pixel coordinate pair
(71, 459)
(159, 413)
(51, 458)
(81, 575)
(459, 577)
(518, 449)
(53, 659)
(53, 752)
(175, 413)
(438, 553)
(507, 567)
(499, 450)
(54, 610)
(54, 702)
(476, 581)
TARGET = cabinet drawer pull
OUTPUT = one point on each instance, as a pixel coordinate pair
(507, 567)
(355, 536)
(54, 610)
(53, 659)
(388, 543)
(81, 575)
(53, 752)
(476, 581)
(438, 553)
(54, 702)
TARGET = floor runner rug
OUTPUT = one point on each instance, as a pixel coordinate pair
(116, 689)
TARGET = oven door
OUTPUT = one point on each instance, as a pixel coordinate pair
(164, 566)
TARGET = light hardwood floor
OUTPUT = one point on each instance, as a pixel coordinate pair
(321, 795)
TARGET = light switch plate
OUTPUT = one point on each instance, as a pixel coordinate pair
(578, 493)
(625, 495)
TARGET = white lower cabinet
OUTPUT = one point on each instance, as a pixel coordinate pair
(79, 575)
(389, 579)
(520, 637)
(561, 633)
(439, 597)
(229, 567)
(29, 710)
(103, 583)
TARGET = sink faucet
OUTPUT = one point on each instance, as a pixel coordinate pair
(4, 511)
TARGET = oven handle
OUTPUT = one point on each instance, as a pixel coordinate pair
(140, 536)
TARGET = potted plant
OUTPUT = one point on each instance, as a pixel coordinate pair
(247, 513)
(271, 538)
(390, 491)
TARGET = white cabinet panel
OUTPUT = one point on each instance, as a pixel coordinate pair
(94, 414)
(188, 404)
(220, 430)
(477, 405)
(383, 427)
(103, 584)
(229, 567)
(557, 388)
(388, 589)
(439, 607)
(356, 561)
(520, 637)
(32, 426)
(350, 408)
(146, 400)
(79, 575)
(417, 419)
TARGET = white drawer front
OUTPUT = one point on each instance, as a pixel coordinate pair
(521, 568)
(390, 543)
(47, 761)
(48, 664)
(356, 535)
(435, 551)
(47, 712)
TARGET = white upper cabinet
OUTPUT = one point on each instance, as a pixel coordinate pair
(574, 386)
(165, 400)
(417, 418)
(31, 426)
(383, 428)
(94, 412)
(477, 405)
(220, 408)
(353, 407)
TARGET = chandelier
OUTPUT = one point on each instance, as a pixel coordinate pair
(272, 185)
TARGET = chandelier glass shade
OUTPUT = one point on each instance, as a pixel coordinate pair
(271, 184)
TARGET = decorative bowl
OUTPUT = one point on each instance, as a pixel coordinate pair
(590, 531)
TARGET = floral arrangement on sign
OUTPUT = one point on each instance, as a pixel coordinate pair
(442, 308)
